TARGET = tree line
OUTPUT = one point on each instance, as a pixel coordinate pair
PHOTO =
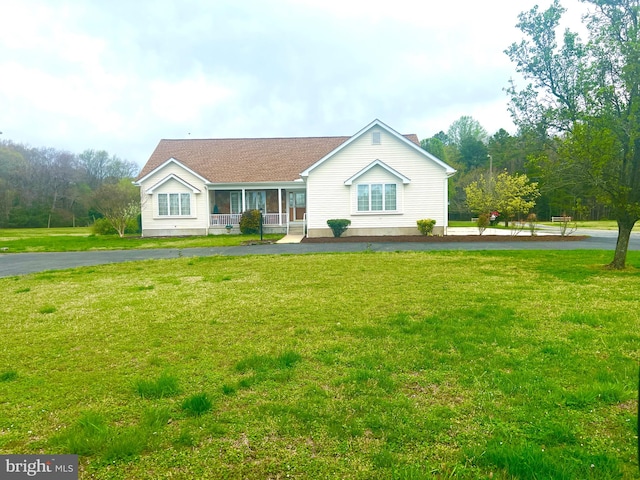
(46, 187)
(481, 159)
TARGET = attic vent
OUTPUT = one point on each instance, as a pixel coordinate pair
(375, 138)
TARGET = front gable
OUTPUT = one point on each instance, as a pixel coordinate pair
(374, 135)
(169, 178)
(172, 162)
(381, 165)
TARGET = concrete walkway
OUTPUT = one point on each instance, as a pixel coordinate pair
(24, 263)
(290, 239)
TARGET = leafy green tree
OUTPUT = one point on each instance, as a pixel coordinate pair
(589, 95)
(515, 195)
(466, 127)
(469, 139)
(507, 152)
(481, 197)
(434, 146)
(473, 153)
(119, 203)
(464, 148)
(511, 195)
(443, 137)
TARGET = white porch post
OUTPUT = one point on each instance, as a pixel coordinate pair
(243, 200)
(280, 206)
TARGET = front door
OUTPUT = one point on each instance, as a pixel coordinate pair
(297, 205)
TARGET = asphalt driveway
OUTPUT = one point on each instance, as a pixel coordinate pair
(23, 263)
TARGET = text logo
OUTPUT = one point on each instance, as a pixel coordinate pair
(46, 467)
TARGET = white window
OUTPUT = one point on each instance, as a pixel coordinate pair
(375, 138)
(390, 202)
(236, 202)
(377, 197)
(174, 204)
(163, 205)
(256, 199)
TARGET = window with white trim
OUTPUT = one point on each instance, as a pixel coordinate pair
(377, 197)
(256, 199)
(174, 204)
(236, 202)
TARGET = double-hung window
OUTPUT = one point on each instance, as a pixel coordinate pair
(174, 204)
(377, 197)
(256, 199)
(236, 202)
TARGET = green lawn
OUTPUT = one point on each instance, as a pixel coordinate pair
(411, 365)
(80, 239)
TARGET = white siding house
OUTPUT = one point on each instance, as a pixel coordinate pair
(380, 180)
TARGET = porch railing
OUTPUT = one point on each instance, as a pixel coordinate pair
(224, 219)
(274, 219)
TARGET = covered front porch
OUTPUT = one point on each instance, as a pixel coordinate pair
(282, 208)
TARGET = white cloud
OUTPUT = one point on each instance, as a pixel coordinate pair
(120, 75)
(185, 101)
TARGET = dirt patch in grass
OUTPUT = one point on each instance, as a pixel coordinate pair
(447, 239)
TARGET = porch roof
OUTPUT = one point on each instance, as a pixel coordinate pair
(247, 160)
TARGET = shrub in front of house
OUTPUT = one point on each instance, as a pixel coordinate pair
(102, 226)
(250, 222)
(484, 220)
(426, 226)
(338, 226)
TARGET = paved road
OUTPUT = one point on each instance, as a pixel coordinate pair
(23, 263)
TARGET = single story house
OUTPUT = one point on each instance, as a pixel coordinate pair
(380, 180)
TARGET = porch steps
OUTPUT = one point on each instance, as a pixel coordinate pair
(295, 229)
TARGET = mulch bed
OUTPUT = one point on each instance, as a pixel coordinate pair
(447, 239)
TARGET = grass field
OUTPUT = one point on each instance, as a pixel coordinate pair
(80, 239)
(373, 365)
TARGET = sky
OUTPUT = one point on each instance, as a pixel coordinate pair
(120, 75)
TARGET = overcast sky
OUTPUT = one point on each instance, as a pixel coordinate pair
(119, 75)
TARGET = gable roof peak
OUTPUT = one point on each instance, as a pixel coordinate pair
(410, 140)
